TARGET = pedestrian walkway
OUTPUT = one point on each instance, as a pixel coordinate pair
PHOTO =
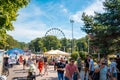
(18, 73)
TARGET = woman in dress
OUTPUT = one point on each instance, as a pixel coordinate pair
(40, 66)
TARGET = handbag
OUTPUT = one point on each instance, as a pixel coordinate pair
(96, 76)
(75, 76)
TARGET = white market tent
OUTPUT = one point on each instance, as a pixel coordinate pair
(57, 52)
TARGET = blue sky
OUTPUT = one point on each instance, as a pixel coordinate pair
(41, 15)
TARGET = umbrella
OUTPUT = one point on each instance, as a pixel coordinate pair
(15, 51)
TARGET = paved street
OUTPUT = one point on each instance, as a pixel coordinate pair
(17, 73)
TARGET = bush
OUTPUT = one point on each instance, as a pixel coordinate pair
(75, 55)
(82, 54)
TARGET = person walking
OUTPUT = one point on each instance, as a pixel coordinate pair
(96, 75)
(40, 66)
(86, 62)
(113, 69)
(91, 67)
(60, 69)
(24, 63)
(103, 71)
(71, 71)
(79, 64)
(45, 66)
(31, 72)
(118, 67)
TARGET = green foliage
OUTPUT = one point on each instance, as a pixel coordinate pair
(83, 54)
(75, 55)
(12, 43)
(82, 44)
(51, 42)
(8, 14)
(36, 45)
(64, 44)
(104, 28)
(44, 49)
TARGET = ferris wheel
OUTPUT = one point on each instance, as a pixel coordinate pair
(55, 32)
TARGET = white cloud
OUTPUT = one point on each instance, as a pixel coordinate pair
(96, 6)
(28, 31)
(63, 9)
(27, 26)
(27, 13)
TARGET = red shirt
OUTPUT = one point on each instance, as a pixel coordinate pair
(71, 69)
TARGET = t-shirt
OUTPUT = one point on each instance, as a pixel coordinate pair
(113, 65)
(71, 69)
(103, 73)
(60, 65)
(92, 65)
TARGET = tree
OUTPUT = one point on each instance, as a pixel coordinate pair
(51, 42)
(104, 27)
(64, 44)
(12, 43)
(82, 44)
(36, 45)
(8, 14)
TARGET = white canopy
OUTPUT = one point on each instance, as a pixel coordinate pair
(57, 52)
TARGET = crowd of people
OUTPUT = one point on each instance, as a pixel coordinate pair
(71, 69)
(93, 70)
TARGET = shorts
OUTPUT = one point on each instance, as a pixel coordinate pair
(114, 75)
(91, 73)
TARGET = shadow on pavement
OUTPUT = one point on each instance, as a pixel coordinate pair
(51, 78)
(52, 71)
(19, 78)
(20, 71)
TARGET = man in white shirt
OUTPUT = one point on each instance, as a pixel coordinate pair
(91, 67)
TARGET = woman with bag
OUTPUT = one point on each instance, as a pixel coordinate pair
(96, 74)
(103, 71)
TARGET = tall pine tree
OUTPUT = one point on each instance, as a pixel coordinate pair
(104, 27)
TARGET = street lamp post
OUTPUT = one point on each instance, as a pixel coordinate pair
(88, 45)
(72, 44)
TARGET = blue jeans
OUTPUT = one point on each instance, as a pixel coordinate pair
(66, 78)
(60, 75)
